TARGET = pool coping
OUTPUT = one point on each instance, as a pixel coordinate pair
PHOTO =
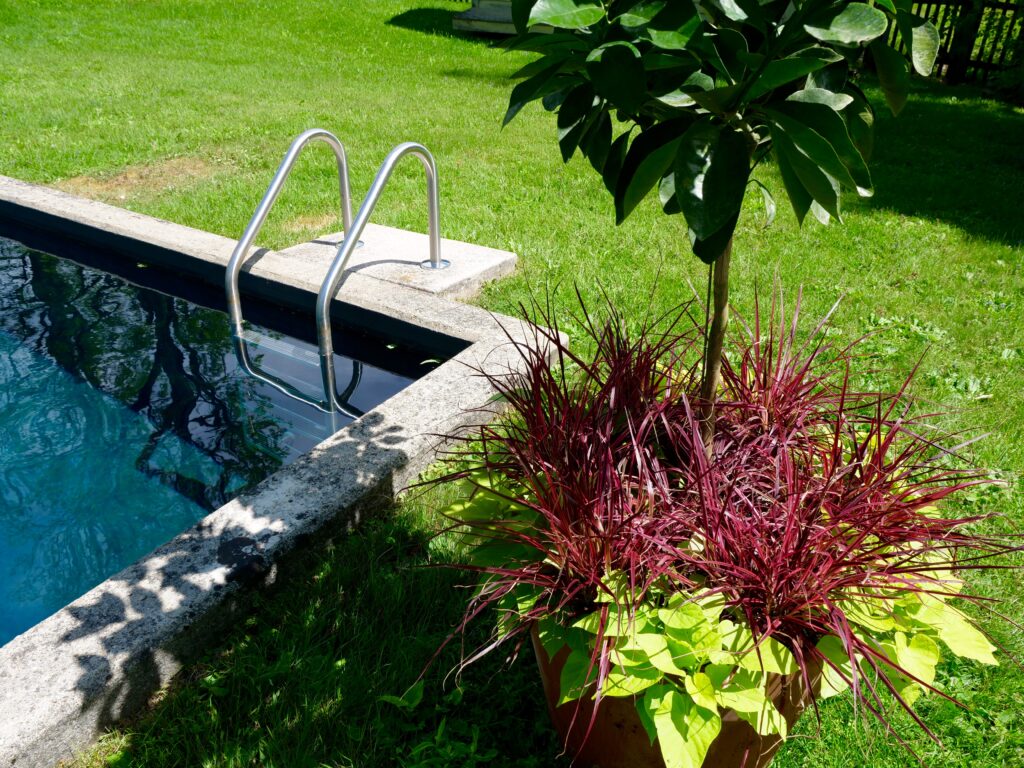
(102, 657)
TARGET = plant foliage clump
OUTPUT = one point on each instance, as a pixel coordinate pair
(812, 542)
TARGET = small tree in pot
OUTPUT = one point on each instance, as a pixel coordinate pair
(715, 545)
(707, 90)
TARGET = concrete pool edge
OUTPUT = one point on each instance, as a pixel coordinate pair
(101, 657)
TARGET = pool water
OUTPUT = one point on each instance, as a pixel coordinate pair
(125, 418)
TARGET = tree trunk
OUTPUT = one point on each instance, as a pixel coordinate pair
(713, 346)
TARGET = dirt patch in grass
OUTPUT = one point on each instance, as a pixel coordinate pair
(322, 223)
(141, 180)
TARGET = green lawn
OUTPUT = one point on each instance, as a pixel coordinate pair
(183, 109)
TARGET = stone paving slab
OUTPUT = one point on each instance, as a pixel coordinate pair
(395, 255)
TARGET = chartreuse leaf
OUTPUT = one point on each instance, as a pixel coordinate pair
(578, 674)
(848, 24)
(653, 649)
(711, 170)
(833, 680)
(631, 682)
(618, 623)
(566, 14)
(868, 614)
(955, 629)
(892, 74)
(682, 617)
(918, 655)
(769, 655)
(685, 730)
(701, 690)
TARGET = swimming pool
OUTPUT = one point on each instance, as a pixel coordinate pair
(126, 418)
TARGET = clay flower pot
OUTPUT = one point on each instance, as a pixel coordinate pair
(618, 738)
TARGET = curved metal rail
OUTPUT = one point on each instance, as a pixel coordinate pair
(256, 222)
(333, 278)
(328, 405)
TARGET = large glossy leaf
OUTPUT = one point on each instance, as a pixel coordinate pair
(892, 74)
(848, 24)
(649, 158)
(860, 120)
(921, 39)
(823, 119)
(798, 195)
(782, 71)
(820, 187)
(577, 112)
(673, 28)
(711, 169)
(709, 249)
(614, 162)
(596, 142)
(812, 143)
(617, 72)
(541, 84)
(566, 14)
(641, 13)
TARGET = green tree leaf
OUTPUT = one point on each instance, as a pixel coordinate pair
(617, 72)
(711, 169)
(892, 74)
(566, 14)
(922, 41)
(649, 158)
(782, 71)
(824, 120)
(848, 24)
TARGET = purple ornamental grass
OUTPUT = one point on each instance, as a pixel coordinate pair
(816, 496)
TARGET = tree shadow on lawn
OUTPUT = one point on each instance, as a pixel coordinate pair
(300, 683)
(438, 21)
(954, 157)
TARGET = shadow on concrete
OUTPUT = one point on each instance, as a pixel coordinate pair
(103, 658)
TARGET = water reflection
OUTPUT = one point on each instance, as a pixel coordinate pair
(124, 418)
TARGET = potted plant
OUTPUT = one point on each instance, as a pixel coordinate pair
(715, 599)
(713, 546)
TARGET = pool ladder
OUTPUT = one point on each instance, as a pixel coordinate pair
(331, 403)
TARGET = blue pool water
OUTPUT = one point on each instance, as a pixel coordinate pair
(124, 419)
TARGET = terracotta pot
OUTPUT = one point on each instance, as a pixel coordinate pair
(618, 738)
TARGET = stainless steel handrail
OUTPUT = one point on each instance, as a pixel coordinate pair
(256, 222)
(333, 278)
(340, 405)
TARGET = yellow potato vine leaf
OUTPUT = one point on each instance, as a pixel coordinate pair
(685, 730)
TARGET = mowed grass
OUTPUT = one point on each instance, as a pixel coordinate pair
(183, 110)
